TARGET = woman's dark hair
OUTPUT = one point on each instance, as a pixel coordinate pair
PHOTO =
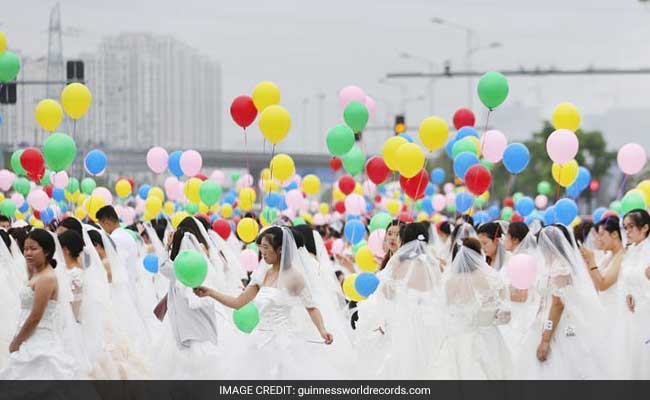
(400, 224)
(46, 241)
(72, 224)
(470, 243)
(186, 226)
(566, 233)
(6, 238)
(274, 236)
(444, 227)
(19, 235)
(297, 237)
(413, 231)
(492, 229)
(640, 218)
(581, 231)
(610, 224)
(518, 230)
(72, 241)
(307, 236)
(159, 225)
(96, 238)
(467, 218)
(204, 222)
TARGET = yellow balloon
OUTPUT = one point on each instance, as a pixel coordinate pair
(123, 188)
(422, 216)
(275, 123)
(282, 167)
(36, 223)
(410, 159)
(566, 116)
(247, 230)
(178, 217)
(226, 210)
(93, 204)
(265, 94)
(307, 217)
(485, 196)
(157, 192)
(81, 199)
(323, 208)
(192, 188)
(20, 216)
(434, 133)
(2, 197)
(168, 207)
(271, 186)
(366, 260)
(265, 174)
(3, 42)
(247, 199)
(644, 187)
(576, 221)
(203, 208)
(76, 99)
(437, 218)
(477, 143)
(566, 173)
(153, 205)
(311, 184)
(49, 114)
(358, 189)
(349, 289)
(393, 207)
(148, 217)
(389, 151)
(263, 220)
(338, 195)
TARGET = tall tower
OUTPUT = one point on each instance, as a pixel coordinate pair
(55, 67)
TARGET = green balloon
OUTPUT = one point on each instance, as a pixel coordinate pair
(355, 116)
(632, 201)
(354, 161)
(450, 208)
(270, 214)
(190, 268)
(210, 192)
(493, 89)
(380, 221)
(22, 186)
(340, 139)
(88, 185)
(73, 185)
(234, 177)
(616, 206)
(46, 179)
(8, 208)
(544, 188)
(15, 163)
(418, 205)
(517, 196)
(252, 246)
(192, 208)
(359, 245)
(59, 151)
(246, 318)
(479, 202)
(487, 164)
(506, 213)
(463, 145)
(9, 66)
(299, 221)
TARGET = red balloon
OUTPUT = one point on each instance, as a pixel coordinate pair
(36, 214)
(508, 202)
(478, 179)
(463, 117)
(201, 177)
(328, 245)
(340, 207)
(607, 214)
(48, 189)
(347, 184)
(377, 170)
(130, 180)
(335, 164)
(222, 227)
(516, 217)
(415, 187)
(243, 111)
(594, 185)
(33, 163)
(377, 198)
(405, 217)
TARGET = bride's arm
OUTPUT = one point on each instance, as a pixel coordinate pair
(550, 324)
(229, 301)
(43, 290)
(317, 319)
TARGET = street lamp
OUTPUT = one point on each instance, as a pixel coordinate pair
(431, 64)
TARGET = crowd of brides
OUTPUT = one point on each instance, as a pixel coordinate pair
(76, 303)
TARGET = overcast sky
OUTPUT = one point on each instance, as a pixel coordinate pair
(308, 47)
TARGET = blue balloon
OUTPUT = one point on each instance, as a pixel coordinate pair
(525, 206)
(272, 200)
(95, 162)
(213, 218)
(494, 212)
(353, 217)
(23, 209)
(573, 191)
(63, 207)
(516, 157)
(481, 217)
(143, 191)
(438, 176)
(236, 212)
(174, 163)
(58, 194)
(0, 119)
(229, 199)
(150, 263)
(427, 206)
(464, 201)
(282, 206)
(462, 162)
(407, 137)
(566, 211)
(583, 179)
(466, 131)
(549, 216)
(47, 216)
(449, 148)
(366, 283)
(369, 206)
(354, 231)
(598, 214)
(430, 190)
(291, 186)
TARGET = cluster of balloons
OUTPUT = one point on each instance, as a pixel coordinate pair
(9, 62)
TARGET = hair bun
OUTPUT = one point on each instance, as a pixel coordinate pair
(53, 263)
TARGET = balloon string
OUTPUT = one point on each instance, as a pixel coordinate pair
(246, 151)
(511, 183)
(559, 179)
(622, 188)
(417, 190)
(487, 121)
(270, 178)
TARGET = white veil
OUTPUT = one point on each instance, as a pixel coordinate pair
(326, 269)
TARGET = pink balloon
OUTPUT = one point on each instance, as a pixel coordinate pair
(172, 188)
(449, 187)
(38, 199)
(319, 219)
(7, 179)
(313, 206)
(541, 201)
(493, 145)
(218, 176)
(355, 204)
(289, 213)
(337, 246)
(128, 215)
(248, 259)
(351, 93)
(105, 193)
(522, 270)
(60, 180)
(157, 159)
(439, 201)
(369, 188)
(18, 199)
(244, 181)
(631, 158)
(562, 146)
(294, 199)
(371, 106)
(376, 242)
(139, 206)
(191, 162)
(451, 199)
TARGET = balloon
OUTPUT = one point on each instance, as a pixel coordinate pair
(76, 99)
(522, 270)
(150, 263)
(347, 184)
(243, 111)
(102, 192)
(246, 318)
(282, 167)
(376, 242)
(191, 162)
(463, 117)
(222, 227)
(60, 179)
(544, 188)
(248, 259)
(598, 214)
(433, 133)
(493, 89)
(516, 157)
(8, 208)
(31, 159)
(94, 204)
(565, 174)
(377, 170)
(247, 199)
(59, 151)
(438, 176)
(22, 186)
(349, 288)
(389, 151)
(9, 67)
(416, 186)
(410, 159)
(366, 260)
(191, 268)
(366, 284)
(463, 162)
(192, 190)
(275, 123)
(462, 146)
(265, 94)
(565, 211)
(340, 140)
(644, 186)
(174, 163)
(393, 207)
(438, 201)
(226, 210)
(633, 200)
(562, 146)
(494, 144)
(3, 42)
(247, 229)
(525, 206)
(478, 179)
(95, 162)
(583, 179)
(157, 159)
(464, 201)
(631, 158)
(541, 201)
(506, 213)
(311, 184)
(7, 178)
(335, 163)
(122, 188)
(354, 231)
(38, 200)
(371, 106)
(379, 221)
(354, 161)
(15, 163)
(210, 192)
(88, 185)
(349, 94)
(355, 204)
(566, 116)
(49, 114)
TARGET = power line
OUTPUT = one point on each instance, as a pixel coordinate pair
(537, 72)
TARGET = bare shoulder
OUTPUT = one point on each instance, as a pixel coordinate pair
(47, 279)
